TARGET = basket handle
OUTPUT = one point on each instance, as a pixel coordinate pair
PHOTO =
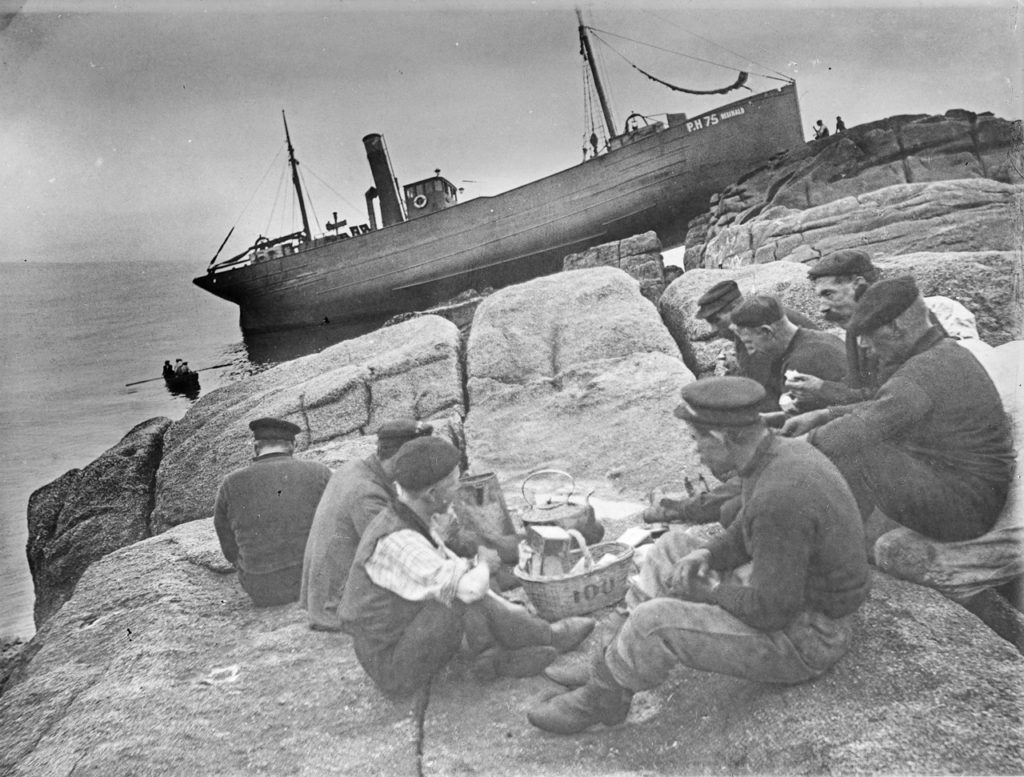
(589, 563)
(572, 488)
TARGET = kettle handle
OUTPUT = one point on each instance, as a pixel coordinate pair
(572, 487)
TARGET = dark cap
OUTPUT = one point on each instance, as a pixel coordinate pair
(273, 429)
(718, 297)
(721, 402)
(849, 261)
(393, 434)
(422, 462)
(882, 303)
(756, 310)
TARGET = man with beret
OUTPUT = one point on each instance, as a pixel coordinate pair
(763, 327)
(356, 493)
(932, 449)
(771, 599)
(264, 511)
(409, 600)
(716, 306)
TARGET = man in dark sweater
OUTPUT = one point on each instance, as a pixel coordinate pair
(264, 511)
(771, 600)
(356, 493)
(763, 327)
(716, 306)
(932, 449)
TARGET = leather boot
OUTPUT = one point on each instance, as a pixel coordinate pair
(570, 675)
(568, 633)
(601, 700)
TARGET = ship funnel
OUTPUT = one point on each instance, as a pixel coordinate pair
(391, 210)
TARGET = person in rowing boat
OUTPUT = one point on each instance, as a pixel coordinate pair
(263, 513)
(770, 600)
(355, 495)
(409, 600)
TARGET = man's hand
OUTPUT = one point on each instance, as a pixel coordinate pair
(691, 579)
(805, 422)
(473, 586)
(803, 387)
(490, 557)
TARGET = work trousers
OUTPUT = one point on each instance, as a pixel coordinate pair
(933, 500)
(272, 588)
(435, 635)
(662, 631)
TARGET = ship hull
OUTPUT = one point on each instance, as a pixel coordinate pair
(657, 182)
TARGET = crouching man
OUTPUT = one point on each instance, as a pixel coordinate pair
(409, 600)
(772, 599)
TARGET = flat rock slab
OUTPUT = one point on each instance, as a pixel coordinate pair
(159, 665)
(345, 391)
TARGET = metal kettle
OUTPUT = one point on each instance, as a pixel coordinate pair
(557, 507)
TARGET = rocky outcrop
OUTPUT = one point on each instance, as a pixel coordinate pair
(638, 256)
(562, 370)
(87, 513)
(902, 184)
(113, 688)
(341, 393)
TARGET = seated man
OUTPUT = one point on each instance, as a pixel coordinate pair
(769, 600)
(764, 328)
(264, 511)
(356, 493)
(715, 306)
(409, 600)
(932, 450)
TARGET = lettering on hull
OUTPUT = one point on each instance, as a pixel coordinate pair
(711, 119)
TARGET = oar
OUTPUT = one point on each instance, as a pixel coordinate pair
(150, 380)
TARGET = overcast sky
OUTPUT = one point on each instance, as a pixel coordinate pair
(142, 130)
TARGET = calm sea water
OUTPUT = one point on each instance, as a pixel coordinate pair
(73, 336)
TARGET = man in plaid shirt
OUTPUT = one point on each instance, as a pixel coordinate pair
(409, 600)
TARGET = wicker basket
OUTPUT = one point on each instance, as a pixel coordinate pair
(555, 598)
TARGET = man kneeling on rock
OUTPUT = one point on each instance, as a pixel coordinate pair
(772, 599)
(409, 600)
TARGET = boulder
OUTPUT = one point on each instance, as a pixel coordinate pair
(563, 371)
(112, 688)
(639, 256)
(343, 392)
(86, 513)
(970, 215)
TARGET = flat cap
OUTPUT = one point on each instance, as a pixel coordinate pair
(425, 461)
(394, 433)
(881, 303)
(717, 402)
(718, 297)
(273, 429)
(849, 261)
(757, 310)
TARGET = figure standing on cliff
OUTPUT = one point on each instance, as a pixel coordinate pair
(771, 599)
(932, 448)
(409, 600)
(354, 496)
(264, 511)
(840, 125)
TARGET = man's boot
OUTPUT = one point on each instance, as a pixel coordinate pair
(568, 633)
(521, 662)
(576, 675)
(601, 700)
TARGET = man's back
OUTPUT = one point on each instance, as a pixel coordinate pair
(264, 512)
(356, 493)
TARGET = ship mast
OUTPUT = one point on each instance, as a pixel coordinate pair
(588, 55)
(295, 180)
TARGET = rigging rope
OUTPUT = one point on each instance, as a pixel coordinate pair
(740, 82)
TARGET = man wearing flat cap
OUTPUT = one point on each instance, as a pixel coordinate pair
(264, 511)
(356, 493)
(716, 306)
(409, 600)
(770, 600)
(932, 450)
(762, 325)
